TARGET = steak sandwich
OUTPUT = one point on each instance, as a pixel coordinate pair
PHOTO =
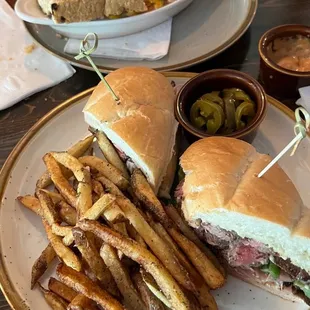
(142, 127)
(258, 226)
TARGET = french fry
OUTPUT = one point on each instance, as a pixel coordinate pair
(59, 180)
(51, 216)
(41, 264)
(80, 283)
(133, 234)
(110, 153)
(145, 194)
(62, 251)
(105, 202)
(93, 213)
(62, 290)
(202, 291)
(84, 190)
(97, 187)
(94, 261)
(114, 214)
(109, 187)
(188, 233)
(48, 208)
(131, 297)
(66, 213)
(142, 256)
(106, 169)
(150, 300)
(31, 203)
(157, 245)
(76, 150)
(56, 197)
(81, 302)
(55, 302)
(203, 264)
(122, 229)
(153, 287)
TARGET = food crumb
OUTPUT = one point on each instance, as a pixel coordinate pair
(29, 48)
(10, 58)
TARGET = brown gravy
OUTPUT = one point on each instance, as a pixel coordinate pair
(292, 53)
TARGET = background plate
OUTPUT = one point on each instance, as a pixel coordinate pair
(22, 236)
(203, 30)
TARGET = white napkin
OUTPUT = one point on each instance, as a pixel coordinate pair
(150, 44)
(304, 99)
(25, 68)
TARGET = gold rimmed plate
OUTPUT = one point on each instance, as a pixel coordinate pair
(22, 236)
(200, 32)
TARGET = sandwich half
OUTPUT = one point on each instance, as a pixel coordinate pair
(142, 127)
(258, 226)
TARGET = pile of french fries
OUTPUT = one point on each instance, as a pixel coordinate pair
(119, 247)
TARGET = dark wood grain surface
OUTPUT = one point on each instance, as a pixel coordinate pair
(243, 56)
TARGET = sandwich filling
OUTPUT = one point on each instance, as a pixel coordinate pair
(249, 259)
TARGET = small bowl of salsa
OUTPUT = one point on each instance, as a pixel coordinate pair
(221, 102)
(285, 60)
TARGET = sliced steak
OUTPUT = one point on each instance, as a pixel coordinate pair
(292, 270)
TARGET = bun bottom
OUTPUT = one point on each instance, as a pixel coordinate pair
(286, 294)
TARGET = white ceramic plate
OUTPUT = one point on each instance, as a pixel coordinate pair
(29, 11)
(203, 30)
(22, 236)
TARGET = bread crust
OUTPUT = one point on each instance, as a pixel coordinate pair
(221, 173)
(144, 119)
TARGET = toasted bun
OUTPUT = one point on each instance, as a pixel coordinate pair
(143, 124)
(222, 188)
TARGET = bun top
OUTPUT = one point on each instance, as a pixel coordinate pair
(143, 124)
(221, 187)
(221, 173)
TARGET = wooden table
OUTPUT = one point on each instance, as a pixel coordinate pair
(16, 121)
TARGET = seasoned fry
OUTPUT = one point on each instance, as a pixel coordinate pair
(151, 301)
(56, 197)
(189, 234)
(64, 291)
(67, 213)
(59, 180)
(105, 169)
(84, 190)
(76, 150)
(202, 290)
(93, 213)
(153, 287)
(80, 283)
(110, 153)
(144, 192)
(133, 234)
(31, 203)
(157, 245)
(122, 229)
(97, 187)
(109, 187)
(94, 261)
(48, 209)
(99, 207)
(55, 302)
(81, 302)
(131, 297)
(41, 264)
(142, 256)
(206, 268)
(114, 214)
(61, 250)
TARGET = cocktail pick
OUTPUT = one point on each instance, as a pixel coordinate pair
(300, 130)
(85, 51)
